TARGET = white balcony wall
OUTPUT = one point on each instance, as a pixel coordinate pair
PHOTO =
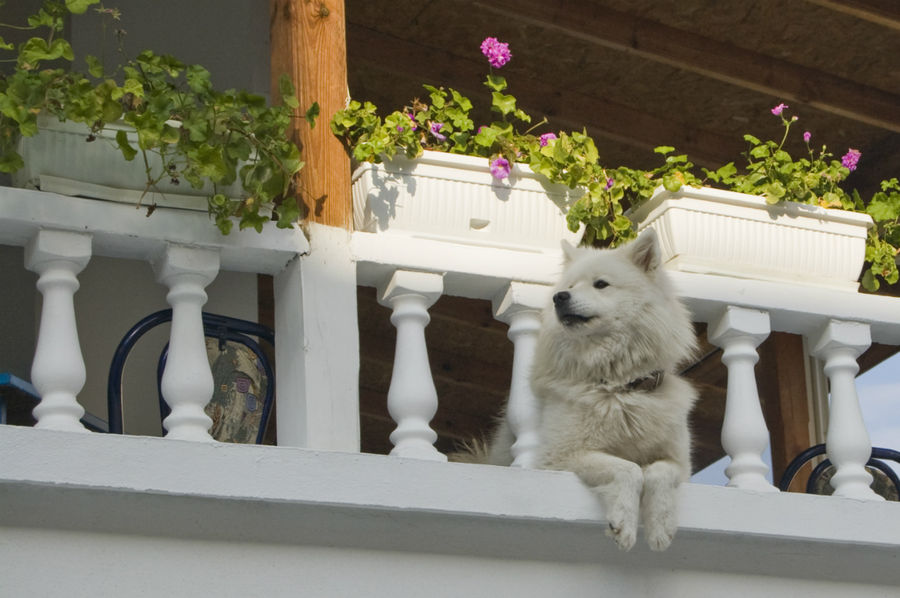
(198, 519)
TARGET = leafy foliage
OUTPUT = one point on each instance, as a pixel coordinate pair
(199, 134)
(773, 173)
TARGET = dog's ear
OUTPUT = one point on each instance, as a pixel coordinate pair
(570, 252)
(645, 251)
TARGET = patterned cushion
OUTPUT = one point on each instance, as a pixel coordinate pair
(240, 387)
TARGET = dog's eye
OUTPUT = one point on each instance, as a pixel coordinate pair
(600, 284)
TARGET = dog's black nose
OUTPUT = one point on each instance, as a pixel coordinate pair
(561, 298)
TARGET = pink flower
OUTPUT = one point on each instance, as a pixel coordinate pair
(436, 131)
(777, 110)
(547, 138)
(807, 136)
(850, 159)
(609, 183)
(497, 52)
(500, 168)
(412, 120)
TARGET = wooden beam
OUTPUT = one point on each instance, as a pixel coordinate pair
(690, 51)
(373, 51)
(882, 12)
(308, 42)
(782, 390)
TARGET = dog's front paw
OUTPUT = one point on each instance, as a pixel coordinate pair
(623, 522)
(625, 535)
(659, 539)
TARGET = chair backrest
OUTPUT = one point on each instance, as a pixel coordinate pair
(239, 365)
(821, 473)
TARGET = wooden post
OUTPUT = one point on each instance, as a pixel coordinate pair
(309, 44)
(785, 401)
(317, 343)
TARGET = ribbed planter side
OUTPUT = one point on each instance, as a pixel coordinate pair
(59, 159)
(711, 231)
(454, 198)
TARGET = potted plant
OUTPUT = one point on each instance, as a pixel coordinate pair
(426, 170)
(813, 232)
(153, 129)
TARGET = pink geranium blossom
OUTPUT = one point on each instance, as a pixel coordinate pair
(851, 158)
(547, 138)
(807, 136)
(497, 52)
(777, 110)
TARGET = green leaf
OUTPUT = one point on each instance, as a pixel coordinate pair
(77, 7)
(36, 49)
(128, 152)
(287, 91)
(760, 151)
(869, 282)
(6, 46)
(312, 114)
(10, 161)
(503, 103)
(495, 82)
(198, 79)
(664, 149)
(133, 86)
(95, 67)
(884, 208)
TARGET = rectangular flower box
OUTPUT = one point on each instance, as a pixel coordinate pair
(60, 159)
(450, 197)
(712, 231)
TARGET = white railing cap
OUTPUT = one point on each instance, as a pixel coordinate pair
(121, 230)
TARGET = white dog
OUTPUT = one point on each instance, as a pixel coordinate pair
(613, 409)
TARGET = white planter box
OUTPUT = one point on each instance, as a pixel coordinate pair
(59, 159)
(454, 198)
(711, 231)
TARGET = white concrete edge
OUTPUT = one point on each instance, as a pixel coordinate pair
(483, 272)
(121, 230)
(279, 475)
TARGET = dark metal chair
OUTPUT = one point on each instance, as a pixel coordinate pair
(817, 480)
(223, 328)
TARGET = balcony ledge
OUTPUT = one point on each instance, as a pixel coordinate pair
(122, 230)
(150, 487)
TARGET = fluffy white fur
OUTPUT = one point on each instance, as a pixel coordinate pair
(631, 446)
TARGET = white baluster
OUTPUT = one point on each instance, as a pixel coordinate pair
(744, 433)
(57, 371)
(520, 306)
(187, 382)
(412, 398)
(847, 443)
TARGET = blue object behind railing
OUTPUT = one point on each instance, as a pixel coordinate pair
(223, 328)
(876, 461)
(23, 397)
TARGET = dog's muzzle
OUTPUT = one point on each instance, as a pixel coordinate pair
(561, 303)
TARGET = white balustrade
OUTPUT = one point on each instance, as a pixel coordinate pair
(412, 398)
(58, 371)
(187, 382)
(739, 331)
(847, 441)
(521, 306)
